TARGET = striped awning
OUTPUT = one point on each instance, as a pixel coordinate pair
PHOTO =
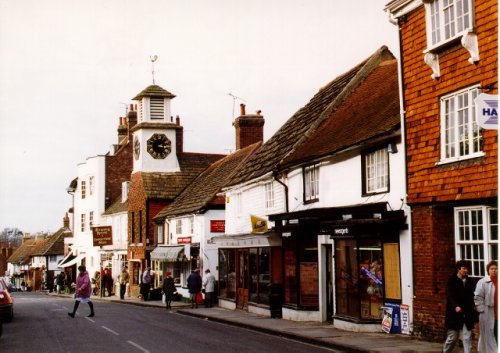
(168, 253)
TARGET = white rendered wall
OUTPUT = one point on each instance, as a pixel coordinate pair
(145, 162)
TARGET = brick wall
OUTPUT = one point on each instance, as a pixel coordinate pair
(249, 130)
(433, 189)
(473, 179)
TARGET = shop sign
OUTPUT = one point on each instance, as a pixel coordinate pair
(184, 240)
(405, 319)
(286, 234)
(102, 236)
(217, 226)
(340, 232)
(487, 111)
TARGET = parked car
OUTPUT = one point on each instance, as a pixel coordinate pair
(6, 303)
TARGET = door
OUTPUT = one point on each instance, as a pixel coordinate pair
(242, 279)
(329, 282)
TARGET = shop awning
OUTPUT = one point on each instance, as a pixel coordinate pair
(70, 260)
(247, 240)
(167, 253)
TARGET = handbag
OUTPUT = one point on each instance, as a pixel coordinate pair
(199, 298)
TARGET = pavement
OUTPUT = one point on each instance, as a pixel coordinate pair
(318, 333)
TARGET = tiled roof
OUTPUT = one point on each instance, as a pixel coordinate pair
(202, 192)
(169, 185)
(370, 111)
(53, 245)
(117, 207)
(304, 122)
(153, 91)
(22, 254)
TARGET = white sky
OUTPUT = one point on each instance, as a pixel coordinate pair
(67, 67)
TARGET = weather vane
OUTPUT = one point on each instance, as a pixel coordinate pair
(153, 59)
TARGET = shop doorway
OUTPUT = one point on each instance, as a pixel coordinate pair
(242, 279)
(328, 265)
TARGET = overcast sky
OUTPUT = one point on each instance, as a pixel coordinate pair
(67, 69)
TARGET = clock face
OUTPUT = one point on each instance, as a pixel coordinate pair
(137, 148)
(159, 146)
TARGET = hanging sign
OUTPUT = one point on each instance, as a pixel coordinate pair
(102, 236)
(487, 111)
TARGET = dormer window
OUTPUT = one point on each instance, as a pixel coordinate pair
(447, 20)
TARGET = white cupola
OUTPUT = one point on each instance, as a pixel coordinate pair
(154, 105)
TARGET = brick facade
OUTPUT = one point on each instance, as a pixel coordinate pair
(435, 189)
(249, 129)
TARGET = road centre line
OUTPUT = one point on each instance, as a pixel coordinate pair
(110, 330)
(137, 346)
(90, 320)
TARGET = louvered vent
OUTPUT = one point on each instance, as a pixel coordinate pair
(157, 108)
(140, 112)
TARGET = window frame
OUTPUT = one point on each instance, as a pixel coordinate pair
(366, 180)
(178, 226)
(450, 146)
(82, 222)
(269, 195)
(310, 177)
(83, 189)
(435, 11)
(484, 246)
(91, 185)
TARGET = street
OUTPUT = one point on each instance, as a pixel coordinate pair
(41, 324)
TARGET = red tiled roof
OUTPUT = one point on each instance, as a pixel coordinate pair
(370, 111)
(202, 192)
(305, 121)
(22, 254)
(53, 245)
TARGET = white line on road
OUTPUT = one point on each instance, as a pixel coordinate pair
(110, 330)
(137, 346)
(90, 320)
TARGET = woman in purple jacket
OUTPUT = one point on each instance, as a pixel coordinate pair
(82, 291)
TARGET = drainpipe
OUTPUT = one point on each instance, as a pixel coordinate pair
(275, 175)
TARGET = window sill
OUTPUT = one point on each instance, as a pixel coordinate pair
(460, 159)
(311, 201)
(436, 48)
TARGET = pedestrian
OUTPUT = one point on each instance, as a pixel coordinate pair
(194, 286)
(108, 281)
(486, 300)
(209, 285)
(460, 312)
(83, 290)
(168, 289)
(146, 283)
(123, 279)
(60, 279)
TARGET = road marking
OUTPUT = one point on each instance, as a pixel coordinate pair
(90, 320)
(137, 346)
(110, 330)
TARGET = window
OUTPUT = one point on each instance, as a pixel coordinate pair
(238, 200)
(178, 226)
(83, 188)
(476, 236)
(191, 225)
(160, 235)
(91, 185)
(447, 20)
(82, 222)
(311, 183)
(91, 219)
(461, 137)
(269, 190)
(376, 171)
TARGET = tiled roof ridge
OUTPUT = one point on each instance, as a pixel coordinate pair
(154, 91)
(368, 65)
(47, 244)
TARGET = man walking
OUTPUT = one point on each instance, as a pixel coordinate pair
(123, 278)
(460, 312)
(146, 283)
(209, 284)
(194, 286)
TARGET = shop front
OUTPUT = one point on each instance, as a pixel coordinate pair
(341, 264)
(249, 270)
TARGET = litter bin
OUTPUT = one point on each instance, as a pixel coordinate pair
(275, 300)
(396, 317)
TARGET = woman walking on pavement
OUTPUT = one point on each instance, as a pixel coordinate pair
(82, 291)
(168, 289)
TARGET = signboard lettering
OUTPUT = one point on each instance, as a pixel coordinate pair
(102, 236)
(184, 240)
(487, 111)
(217, 226)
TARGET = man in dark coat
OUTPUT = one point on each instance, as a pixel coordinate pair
(460, 312)
(194, 286)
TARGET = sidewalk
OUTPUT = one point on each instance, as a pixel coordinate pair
(322, 334)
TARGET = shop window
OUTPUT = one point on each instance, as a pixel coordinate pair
(447, 20)
(291, 276)
(227, 273)
(476, 236)
(461, 137)
(311, 183)
(135, 271)
(359, 285)
(376, 171)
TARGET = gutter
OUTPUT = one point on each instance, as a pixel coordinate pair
(275, 176)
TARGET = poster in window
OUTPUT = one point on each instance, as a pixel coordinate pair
(392, 272)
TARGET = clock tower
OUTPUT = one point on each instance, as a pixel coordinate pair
(154, 136)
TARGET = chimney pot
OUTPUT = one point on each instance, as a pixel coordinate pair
(131, 107)
(177, 120)
(242, 109)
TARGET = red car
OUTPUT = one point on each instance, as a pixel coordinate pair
(6, 303)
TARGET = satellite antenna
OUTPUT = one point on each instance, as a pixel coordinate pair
(153, 59)
(234, 101)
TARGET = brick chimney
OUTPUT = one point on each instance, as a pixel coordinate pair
(122, 129)
(249, 128)
(131, 119)
(66, 221)
(179, 135)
